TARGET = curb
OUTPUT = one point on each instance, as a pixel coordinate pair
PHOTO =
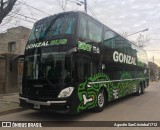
(8, 94)
(12, 111)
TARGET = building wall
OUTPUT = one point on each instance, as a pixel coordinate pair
(2, 75)
(11, 76)
(10, 80)
(19, 35)
(3, 46)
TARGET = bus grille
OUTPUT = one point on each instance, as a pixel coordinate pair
(45, 93)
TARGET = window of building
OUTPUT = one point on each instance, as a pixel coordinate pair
(11, 46)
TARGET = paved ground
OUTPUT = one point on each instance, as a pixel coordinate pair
(132, 108)
(9, 103)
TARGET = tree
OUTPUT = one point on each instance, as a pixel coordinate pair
(5, 8)
(141, 40)
(63, 4)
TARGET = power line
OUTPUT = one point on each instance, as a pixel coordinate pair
(22, 19)
(34, 8)
(24, 16)
(93, 13)
(27, 7)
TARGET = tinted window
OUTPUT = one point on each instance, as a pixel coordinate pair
(64, 25)
(127, 47)
(89, 30)
(109, 39)
(53, 26)
(95, 31)
(82, 28)
(120, 43)
(85, 67)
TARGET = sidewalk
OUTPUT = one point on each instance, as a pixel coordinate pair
(9, 103)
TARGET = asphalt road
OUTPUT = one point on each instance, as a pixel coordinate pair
(131, 108)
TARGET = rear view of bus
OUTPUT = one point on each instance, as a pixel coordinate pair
(74, 63)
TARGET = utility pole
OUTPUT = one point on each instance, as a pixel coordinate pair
(85, 6)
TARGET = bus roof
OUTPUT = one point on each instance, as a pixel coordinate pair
(80, 13)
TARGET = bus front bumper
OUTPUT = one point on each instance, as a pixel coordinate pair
(53, 106)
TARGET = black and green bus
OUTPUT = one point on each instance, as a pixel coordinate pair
(73, 62)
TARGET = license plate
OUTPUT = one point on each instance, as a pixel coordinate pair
(37, 106)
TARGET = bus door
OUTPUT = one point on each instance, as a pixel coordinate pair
(85, 67)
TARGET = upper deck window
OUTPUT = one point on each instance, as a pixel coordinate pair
(89, 30)
(83, 28)
(53, 26)
(109, 39)
(95, 31)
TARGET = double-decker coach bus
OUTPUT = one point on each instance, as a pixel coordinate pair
(73, 62)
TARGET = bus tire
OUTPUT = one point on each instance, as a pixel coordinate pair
(139, 92)
(142, 87)
(101, 101)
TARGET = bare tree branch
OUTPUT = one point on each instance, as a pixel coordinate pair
(63, 4)
(5, 8)
(143, 40)
(125, 34)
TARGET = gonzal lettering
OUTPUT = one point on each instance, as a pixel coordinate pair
(123, 58)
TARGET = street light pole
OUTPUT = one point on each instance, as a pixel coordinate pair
(139, 32)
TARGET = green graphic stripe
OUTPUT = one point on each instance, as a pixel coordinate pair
(88, 91)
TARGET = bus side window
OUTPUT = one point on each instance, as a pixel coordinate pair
(80, 68)
(87, 67)
(109, 39)
(120, 43)
(82, 29)
(95, 31)
(127, 47)
(94, 68)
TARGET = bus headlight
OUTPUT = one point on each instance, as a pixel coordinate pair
(66, 92)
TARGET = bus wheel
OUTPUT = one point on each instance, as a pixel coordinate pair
(101, 100)
(139, 92)
(142, 87)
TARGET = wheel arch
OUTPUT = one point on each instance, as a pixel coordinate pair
(106, 92)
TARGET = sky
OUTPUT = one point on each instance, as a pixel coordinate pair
(121, 15)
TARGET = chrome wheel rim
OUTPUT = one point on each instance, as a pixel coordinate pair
(101, 99)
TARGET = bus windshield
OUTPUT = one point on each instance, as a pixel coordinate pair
(53, 26)
(48, 66)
